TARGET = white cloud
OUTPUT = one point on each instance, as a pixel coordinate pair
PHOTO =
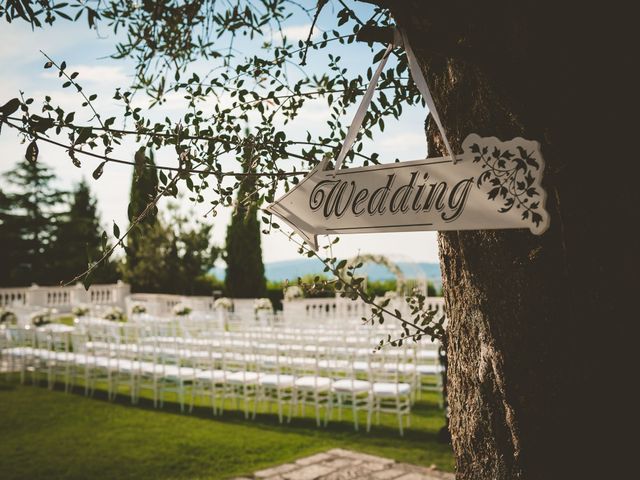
(22, 68)
(402, 246)
(105, 75)
(298, 32)
(21, 46)
(404, 140)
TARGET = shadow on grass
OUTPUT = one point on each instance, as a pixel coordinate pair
(303, 425)
(6, 386)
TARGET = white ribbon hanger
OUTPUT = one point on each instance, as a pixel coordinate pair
(399, 38)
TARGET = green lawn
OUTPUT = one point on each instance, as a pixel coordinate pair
(49, 434)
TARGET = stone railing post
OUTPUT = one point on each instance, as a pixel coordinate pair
(36, 296)
(79, 295)
(121, 292)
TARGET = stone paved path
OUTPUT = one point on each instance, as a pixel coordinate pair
(339, 464)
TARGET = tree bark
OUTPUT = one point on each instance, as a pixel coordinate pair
(523, 310)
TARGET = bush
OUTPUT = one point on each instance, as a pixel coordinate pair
(275, 293)
(378, 288)
(42, 317)
(327, 291)
(8, 317)
(431, 290)
(115, 315)
(206, 285)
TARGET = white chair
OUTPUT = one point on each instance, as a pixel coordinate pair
(242, 381)
(60, 360)
(209, 380)
(429, 367)
(275, 381)
(150, 371)
(312, 387)
(20, 353)
(43, 357)
(83, 363)
(175, 375)
(102, 346)
(350, 390)
(389, 394)
(127, 363)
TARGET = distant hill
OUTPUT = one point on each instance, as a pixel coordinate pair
(292, 269)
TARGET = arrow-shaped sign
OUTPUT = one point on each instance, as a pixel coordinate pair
(493, 184)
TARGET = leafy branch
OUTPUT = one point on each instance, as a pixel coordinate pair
(424, 321)
(164, 39)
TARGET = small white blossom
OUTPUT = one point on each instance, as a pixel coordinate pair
(223, 303)
(262, 304)
(181, 310)
(293, 292)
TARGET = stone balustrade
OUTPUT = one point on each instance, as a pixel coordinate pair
(162, 304)
(64, 299)
(344, 307)
(118, 294)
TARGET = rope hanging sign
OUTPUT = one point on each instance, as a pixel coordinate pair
(491, 185)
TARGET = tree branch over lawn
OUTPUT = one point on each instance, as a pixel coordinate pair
(234, 89)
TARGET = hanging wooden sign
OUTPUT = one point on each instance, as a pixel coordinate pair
(493, 184)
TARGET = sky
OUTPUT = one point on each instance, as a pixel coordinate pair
(87, 52)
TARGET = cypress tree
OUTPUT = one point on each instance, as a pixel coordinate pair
(28, 216)
(152, 272)
(78, 239)
(144, 187)
(245, 270)
(9, 242)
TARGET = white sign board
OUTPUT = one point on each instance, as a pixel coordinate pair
(493, 184)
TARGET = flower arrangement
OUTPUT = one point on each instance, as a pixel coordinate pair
(385, 299)
(223, 303)
(80, 311)
(115, 315)
(358, 261)
(7, 316)
(181, 310)
(138, 309)
(42, 317)
(391, 294)
(293, 292)
(262, 304)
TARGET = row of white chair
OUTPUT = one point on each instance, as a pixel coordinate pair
(222, 370)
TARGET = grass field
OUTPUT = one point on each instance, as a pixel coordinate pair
(52, 435)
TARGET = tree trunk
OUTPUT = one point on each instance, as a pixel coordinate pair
(523, 309)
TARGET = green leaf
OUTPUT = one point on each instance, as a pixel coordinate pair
(41, 124)
(86, 281)
(116, 230)
(32, 152)
(97, 173)
(140, 160)
(10, 107)
(74, 159)
(83, 135)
